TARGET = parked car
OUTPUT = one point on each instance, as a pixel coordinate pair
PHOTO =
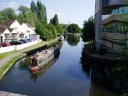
(29, 40)
(5, 44)
(23, 40)
(16, 42)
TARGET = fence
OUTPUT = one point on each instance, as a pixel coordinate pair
(18, 47)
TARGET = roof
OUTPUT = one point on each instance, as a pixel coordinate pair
(2, 30)
(10, 29)
(29, 25)
(7, 22)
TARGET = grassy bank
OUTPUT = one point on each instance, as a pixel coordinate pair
(8, 64)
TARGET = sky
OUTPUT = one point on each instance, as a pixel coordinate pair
(68, 11)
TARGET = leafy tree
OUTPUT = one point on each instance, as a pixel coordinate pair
(24, 10)
(33, 7)
(41, 12)
(73, 28)
(54, 20)
(1, 18)
(26, 15)
(88, 30)
(60, 29)
(8, 13)
(46, 32)
(53, 30)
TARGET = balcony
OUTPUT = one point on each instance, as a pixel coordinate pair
(108, 5)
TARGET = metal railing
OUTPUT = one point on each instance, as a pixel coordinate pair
(115, 29)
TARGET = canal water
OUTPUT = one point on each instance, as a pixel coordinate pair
(67, 75)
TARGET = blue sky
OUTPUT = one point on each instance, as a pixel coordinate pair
(69, 11)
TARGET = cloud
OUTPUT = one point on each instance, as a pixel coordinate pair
(11, 4)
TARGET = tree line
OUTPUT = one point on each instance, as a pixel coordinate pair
(36, 15)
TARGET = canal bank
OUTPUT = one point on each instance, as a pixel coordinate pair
(93, 55)
(7, 62)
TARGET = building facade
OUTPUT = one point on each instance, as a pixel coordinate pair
(12, 30)
(105, 7)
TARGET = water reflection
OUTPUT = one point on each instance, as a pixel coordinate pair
(72, 40)
(86, 65)
(107, 79)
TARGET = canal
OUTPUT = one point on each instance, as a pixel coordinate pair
(67, 75)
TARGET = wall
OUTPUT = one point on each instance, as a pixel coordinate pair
(114, 36)
(34, 37)
(7, 49)
(18, 47)
(114, 47)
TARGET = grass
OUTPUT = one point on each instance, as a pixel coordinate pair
(3, 55)
(5, 68)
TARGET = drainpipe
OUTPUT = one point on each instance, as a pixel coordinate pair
(98, 20)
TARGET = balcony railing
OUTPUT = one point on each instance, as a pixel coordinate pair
(115, 30)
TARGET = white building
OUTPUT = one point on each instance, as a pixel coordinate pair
(4, 34)
(13, 30)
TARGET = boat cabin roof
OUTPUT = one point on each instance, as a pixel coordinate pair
(43, 53)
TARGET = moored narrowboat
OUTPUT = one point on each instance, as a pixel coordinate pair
(41, 59)
(61, 38)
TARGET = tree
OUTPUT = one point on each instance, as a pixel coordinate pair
(88, 30)
(73, 28)
(33, 7)
(1, 18)
(8, 13)
(60, 29)
(26, 15)
(24, 10)
(54, 20)
(41, 12)
(53, 30)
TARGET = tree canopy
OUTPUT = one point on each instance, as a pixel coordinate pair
(88, 30)
(73, 28)
(26, 15)
(41, 12)
(33, 7)
(8, 13)
(54, 20)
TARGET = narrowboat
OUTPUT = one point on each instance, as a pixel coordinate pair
(61, 38)
(41, 59)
